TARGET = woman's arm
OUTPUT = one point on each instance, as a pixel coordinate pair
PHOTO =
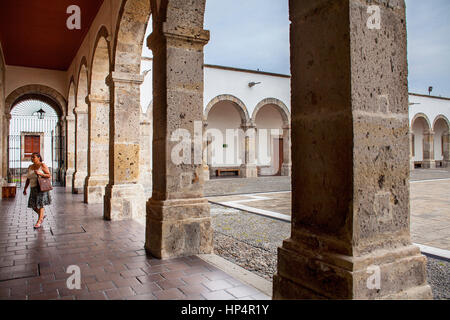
(45, 170)
(26, 187)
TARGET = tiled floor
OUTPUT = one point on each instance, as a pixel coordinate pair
(110, 255)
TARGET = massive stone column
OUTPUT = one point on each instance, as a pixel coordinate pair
(249, 168)
(81, 149)
(5, 139)
(70, 151)
(446, 147)
(178, 218)
(206, 173)
(350, 179)
(124, 196)
(98, 153)
(286, 168)
(428, 150)
(411, 146)
(145, 166)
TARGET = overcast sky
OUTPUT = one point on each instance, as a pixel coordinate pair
(254, 34)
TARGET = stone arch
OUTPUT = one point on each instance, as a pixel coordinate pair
(40, 92)
(127, 50)
(100, 64)
(71, 97)
(282, 108)
(237, 103)
(82, 85)
(441, 117)
(424, 117)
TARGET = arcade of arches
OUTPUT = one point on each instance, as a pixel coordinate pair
(343, 219)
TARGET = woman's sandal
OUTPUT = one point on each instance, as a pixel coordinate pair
(38, 225)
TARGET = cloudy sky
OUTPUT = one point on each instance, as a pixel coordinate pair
(254, 34)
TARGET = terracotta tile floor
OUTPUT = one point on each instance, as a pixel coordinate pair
(110, 255)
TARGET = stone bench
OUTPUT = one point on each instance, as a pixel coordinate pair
(220, 172)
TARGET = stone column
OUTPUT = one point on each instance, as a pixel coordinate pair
(411, 146)
(178, 218)
(98, 153)
(446, 142)
(249, 168)
(145, 166)
(81, 149)
(124, 196)
(428, 150)
(350, 191)
(5, 139)
(206, 173)
(287, 163)
(70, 151)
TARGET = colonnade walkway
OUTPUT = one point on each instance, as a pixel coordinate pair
(110, 255)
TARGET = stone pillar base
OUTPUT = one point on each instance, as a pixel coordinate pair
(178, 228)
(69, 180)
(94, 189)
(305, 274)
(206, 176)
(249, 171)
(446, 164)
(428, 164)
(123, 202)
(286, 170)
(79, 178)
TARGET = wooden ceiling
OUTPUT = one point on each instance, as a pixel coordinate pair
(34, 33)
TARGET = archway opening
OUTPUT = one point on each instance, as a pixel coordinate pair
(35, 127)
(441, 132)
(269, 141)
(225, 139)
(419, 128)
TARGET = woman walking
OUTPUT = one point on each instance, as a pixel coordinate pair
(37, 199)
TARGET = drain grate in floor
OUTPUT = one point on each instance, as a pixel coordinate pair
(30, 272)
(68, 230)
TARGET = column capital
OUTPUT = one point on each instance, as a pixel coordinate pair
(197, 36)
(78, 111)
(248, 125)
(69, 118)
(8, 116)
(124, 77)
(97, 98)
(428, 132)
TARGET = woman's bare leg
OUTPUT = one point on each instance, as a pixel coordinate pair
(41, 214)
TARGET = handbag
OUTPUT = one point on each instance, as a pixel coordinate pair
(45, 184)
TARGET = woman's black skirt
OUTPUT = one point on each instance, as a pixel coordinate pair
(39, 199)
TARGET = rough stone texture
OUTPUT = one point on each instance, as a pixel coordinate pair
(446, 142)
(428, 150)
(99, 113)
(98, 155)
(350, 191)
(178, 219)
(145, 166)
(124, 196)
(81, 149)
(249, 168)
(2, 121)
(81, 132)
